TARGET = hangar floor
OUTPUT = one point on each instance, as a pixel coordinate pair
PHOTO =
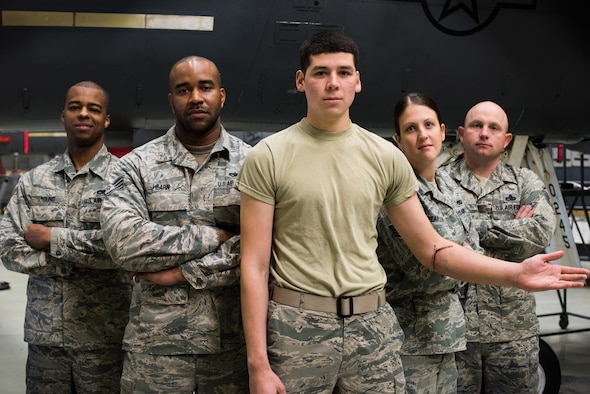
(572, 349)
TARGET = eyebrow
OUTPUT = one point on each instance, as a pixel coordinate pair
(477, 121)
(201, 82)
(80, 103)
(180, 85)
(351, 68)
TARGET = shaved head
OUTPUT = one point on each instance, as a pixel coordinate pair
(191, 61)
(488, 107)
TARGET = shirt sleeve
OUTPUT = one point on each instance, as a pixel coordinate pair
(80, 246)
(15, 253)
(521, 238)
(134, 241)
(217, 269)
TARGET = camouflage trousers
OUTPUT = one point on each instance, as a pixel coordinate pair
(223, 373)
(319, 352)
(430, 374)
(505, 367)
(58, 370)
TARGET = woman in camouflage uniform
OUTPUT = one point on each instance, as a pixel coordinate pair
(426, 303)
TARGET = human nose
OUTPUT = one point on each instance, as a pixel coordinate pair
(422, 133)
(332, 81)
(83, 112)
(196, 96)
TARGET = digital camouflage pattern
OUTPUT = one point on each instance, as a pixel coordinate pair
(516, 370)
(161, 211)
(496, 313)
(220, 373)
(67, 307)
(50, 370)
(343, 349)
(81, 311)
(432, 374)
(426, 303)
(503, 317)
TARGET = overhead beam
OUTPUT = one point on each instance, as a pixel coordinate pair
(107, 20)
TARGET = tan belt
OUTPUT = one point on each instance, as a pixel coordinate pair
(344, 306)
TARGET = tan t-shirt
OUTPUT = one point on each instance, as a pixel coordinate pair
(327, 189)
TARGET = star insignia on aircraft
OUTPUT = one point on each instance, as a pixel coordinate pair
(452, 6)
(465, 17)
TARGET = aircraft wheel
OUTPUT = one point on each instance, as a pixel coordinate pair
(549, 370)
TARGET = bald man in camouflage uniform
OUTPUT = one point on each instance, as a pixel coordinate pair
(172, 217)
(515, 220)
(77, 298)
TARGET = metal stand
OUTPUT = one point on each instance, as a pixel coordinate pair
(564, 316)
(573, 196)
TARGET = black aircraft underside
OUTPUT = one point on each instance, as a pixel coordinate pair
(532, 57)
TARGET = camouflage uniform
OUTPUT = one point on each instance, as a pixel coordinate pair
(164, 211)
(75, 317)
(427, 303)
(503, 317)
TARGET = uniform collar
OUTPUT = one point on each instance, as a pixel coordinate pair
(99, 165)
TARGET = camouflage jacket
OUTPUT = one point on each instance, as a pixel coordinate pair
(162, 211)
(69, 307)
(425, 302)
(495, 313)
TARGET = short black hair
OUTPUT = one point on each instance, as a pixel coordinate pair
(327, 41)
(92, 85)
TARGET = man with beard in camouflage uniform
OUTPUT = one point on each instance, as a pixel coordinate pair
(171, 216)
(77, 298)
(514, 218)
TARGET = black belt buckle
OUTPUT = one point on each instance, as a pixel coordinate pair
(343, 300)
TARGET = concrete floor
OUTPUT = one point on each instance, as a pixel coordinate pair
(572, 344)
(13, 350)
(572, 349)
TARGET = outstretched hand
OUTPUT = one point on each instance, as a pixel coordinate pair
(538, 273)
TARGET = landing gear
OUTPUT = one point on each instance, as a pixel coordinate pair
(549, 370)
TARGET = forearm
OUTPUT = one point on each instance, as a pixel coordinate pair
(444, 256)
(518, 237)
(19, 257)
(523, 234)
(448, 258)
(80, 246)
(403, 269)
(217, 269)
(537, 273)
(469, 266)
(139, 245)
(150, 236)
(254, 298)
